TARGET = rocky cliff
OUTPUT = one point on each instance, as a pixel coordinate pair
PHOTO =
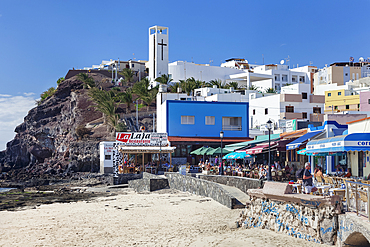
(47, 142)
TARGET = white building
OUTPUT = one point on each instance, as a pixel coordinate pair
(158, 52)
(294, 102)
(275, 76)
(181, 70)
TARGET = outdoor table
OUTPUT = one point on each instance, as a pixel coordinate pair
(295, 186)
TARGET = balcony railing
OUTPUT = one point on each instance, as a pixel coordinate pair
(232, 127)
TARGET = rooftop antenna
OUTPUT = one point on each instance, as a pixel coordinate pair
(288, 60)
(263, 60)
(282, 61)
(311, 63)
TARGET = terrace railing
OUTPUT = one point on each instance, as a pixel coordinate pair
(358, 198)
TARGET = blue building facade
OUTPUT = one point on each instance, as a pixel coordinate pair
(207, 119)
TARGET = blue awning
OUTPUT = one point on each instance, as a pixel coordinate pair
(344, 143)
(299, 141)
(236, 155)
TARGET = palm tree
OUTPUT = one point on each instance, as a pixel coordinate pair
(253, 87)
(106, 104)
(126, 98)
(148, 99)
(270, 90)
(217, 82)
(233, 84)
(174, 86)
(128, 74)
(164, 79)
(87, 80)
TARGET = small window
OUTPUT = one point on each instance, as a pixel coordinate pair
(210, 120)
(182, 98)
(329, 94)
(346, 74)
(266, 111)
(347, 107)
(301, 79)
(339, 93)
(254, 110)
(336, 107)
(304, 115)
(132, 65)
(107, 157)
(358, 106)
(289, 108)
(277, 77)
(187, 119)
(304, 95)
(368, 101)
(284, 77)
(317, 110)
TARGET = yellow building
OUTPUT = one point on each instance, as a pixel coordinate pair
(341, 100)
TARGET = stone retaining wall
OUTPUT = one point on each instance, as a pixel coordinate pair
(242, 183)
(201, 187)
(124, 178)
(149, 182)
(308, 217)
(353, 230)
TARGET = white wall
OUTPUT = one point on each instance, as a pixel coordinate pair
(272, 102)
(180, 70)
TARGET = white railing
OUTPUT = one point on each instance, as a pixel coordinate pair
(231, 127)
(358, 198)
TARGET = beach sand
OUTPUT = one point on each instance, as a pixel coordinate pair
(127, 218)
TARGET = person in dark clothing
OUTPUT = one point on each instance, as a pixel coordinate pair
(307, 179)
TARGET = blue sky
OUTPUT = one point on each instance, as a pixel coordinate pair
(41, 40)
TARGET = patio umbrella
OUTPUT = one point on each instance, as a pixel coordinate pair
(217, 151)
(197, 151)
(205, 151)
(235, 155)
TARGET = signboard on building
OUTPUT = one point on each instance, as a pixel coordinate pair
(291, 125)
(142, 138)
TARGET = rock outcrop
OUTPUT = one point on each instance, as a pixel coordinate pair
(47, 142)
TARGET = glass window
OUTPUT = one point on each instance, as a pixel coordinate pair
(187, 119)
(284, 77)
(254, 111)
(266, 111)
(339, 93)
(317, 110)
(232, 123)
(210, 120)
(289, 108)
(277, 77)
(329, 94)
(304, 115)
(304, 95)
(107, 157)
(347, 107)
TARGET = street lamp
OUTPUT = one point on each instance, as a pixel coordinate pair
(160, 151)
(222, 166)
(269, 127)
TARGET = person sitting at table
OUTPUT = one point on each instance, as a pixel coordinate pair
(339, 171)
(348, 174)
(318, 172)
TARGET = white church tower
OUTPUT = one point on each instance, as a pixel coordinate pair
(158, 53)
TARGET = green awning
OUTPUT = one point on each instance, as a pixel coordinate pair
(259, 139)
(197, 151)
(206, 150)
(217, 151)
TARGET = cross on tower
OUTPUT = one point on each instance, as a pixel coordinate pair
(162, 44)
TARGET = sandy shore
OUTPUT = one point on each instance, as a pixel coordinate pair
(165, 218)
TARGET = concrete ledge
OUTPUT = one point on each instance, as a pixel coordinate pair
(242, 183)
(201, 187)
(149, 182)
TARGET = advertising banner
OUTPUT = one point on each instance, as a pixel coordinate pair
(142, 139)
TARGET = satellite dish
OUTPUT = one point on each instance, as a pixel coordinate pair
(282, 62)
(361, 59)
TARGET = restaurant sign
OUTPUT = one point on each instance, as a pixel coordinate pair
(141, 138)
